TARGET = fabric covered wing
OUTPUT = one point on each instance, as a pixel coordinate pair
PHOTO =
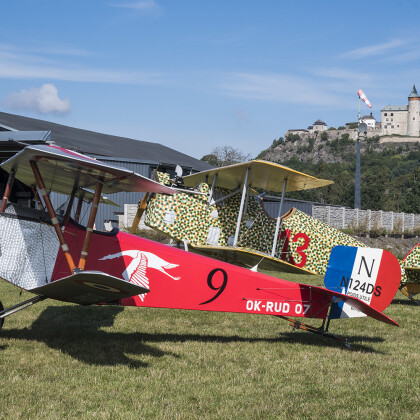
(62, 169)
(89, 287)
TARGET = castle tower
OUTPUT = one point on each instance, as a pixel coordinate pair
(413, 118)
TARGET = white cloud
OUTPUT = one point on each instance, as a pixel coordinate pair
(341, 74)
(17, 65)
(144, 6)
(279, 88)
(44, 100)
(373, 50)
(49, 50)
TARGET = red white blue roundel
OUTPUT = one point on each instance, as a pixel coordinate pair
(369, 274)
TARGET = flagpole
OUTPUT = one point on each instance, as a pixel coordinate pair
(357, 195)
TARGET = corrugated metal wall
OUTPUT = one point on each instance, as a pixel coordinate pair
(106, 212)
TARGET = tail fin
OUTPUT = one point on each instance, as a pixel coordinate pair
(369, 274)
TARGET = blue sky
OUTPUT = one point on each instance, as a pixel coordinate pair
(193, 75)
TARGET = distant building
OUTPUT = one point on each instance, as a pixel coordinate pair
(295, 131)
(351, 125)
(369, 120)
(318, 125)
(402, 119)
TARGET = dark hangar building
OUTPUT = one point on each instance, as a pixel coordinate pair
(138, 156)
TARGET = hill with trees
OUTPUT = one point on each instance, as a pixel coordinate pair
(390, 172)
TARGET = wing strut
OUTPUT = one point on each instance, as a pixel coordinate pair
(69, 207)
(140, 210)
(53, 216)
(7, 191)
(91, 222)
(273, 251)
(241, 208)
(212, 190)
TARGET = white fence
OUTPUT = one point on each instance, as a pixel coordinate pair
(126, 220)
(341, 218)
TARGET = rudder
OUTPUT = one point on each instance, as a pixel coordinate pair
(369, 274)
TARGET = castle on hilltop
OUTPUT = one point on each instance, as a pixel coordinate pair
(318, 125)
(402, 119)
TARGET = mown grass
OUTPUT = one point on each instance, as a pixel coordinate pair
(65, 361)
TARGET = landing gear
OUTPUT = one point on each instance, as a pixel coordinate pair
(18, 307)
(1, 319)
(410, 290)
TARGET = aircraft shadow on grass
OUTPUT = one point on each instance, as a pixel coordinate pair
(78, 332)
(405, 302)
(299, 337)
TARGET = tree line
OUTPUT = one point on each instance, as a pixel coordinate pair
(390, 178)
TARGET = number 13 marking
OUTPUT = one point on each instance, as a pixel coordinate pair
(299, 250)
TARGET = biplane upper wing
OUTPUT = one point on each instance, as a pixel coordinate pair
(267, 176)
(64, 169)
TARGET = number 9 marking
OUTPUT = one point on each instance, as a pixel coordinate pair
(210, 284)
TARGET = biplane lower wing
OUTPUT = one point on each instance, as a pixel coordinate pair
(411, 287)
(88, 288)
(247, 258)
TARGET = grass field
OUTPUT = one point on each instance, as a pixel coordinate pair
(65, 361)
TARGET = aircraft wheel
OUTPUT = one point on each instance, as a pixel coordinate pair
(2, 319)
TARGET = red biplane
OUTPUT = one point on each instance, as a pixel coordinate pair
(53, 256)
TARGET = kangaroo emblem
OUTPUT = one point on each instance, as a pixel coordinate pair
(141, 260)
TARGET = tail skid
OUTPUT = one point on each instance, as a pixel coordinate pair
(322, 330)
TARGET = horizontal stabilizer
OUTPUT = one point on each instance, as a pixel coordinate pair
(363, 308)
(88, 288)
